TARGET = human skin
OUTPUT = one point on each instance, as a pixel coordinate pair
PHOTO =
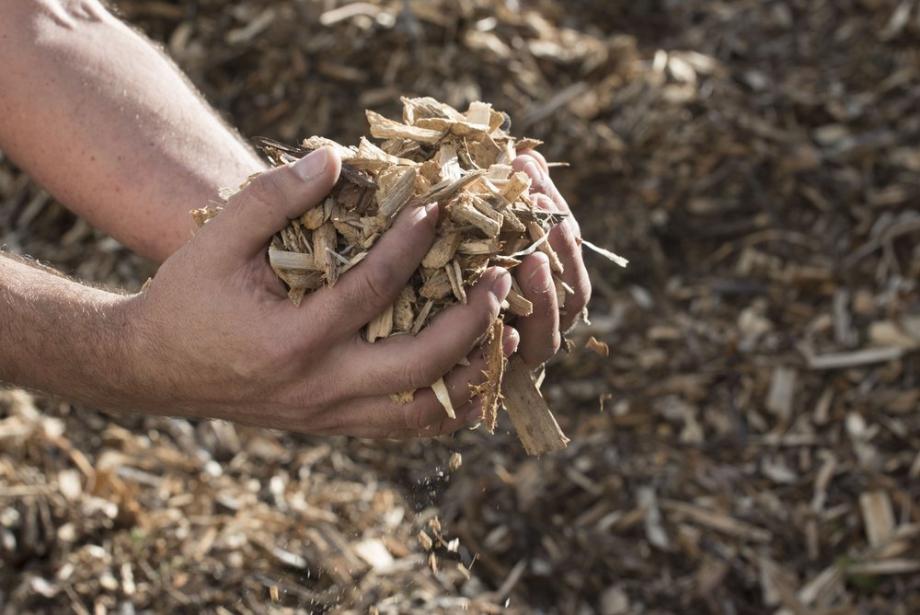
(101, 118)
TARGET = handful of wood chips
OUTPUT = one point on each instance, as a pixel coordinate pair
(462, 161)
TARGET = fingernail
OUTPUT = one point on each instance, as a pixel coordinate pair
(501, 285)
(431, 210)
(474, 414)
(312, 165)
(510, 341)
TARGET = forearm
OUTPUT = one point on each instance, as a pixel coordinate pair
(108, 124)
(63, 338)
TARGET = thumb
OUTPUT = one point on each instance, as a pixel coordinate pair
(271, 199)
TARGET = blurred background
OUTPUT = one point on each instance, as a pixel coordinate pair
(750, 444)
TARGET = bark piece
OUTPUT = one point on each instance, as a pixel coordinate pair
(490, 389)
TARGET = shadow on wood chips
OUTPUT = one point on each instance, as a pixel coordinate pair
(749, 446)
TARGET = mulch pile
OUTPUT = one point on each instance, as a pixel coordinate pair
(750, 444)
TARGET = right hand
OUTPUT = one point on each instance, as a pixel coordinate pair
(216, 335)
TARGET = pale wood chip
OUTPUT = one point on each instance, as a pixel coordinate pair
(384, 128)
(381, 326)
(462, 211)
(442, 250)
(517, 303)
(283, 259)
(878, 516)
(391, 199)
(443, 396)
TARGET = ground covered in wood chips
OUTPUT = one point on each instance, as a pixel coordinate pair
(750, 444)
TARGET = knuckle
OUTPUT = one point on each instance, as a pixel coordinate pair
(540, 292)
(582, 287)
(543, 202)
(268, 190)
(377, 284)
(413, 416)
(281, 350)
(416, 375)
(483, 318)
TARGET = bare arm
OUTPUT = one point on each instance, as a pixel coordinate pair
(51, 329)
(108, 125)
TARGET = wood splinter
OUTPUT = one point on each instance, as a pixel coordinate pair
(441, 392)
(532, 419)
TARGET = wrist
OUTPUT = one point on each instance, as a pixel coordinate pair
(133, 381)
(65, 338)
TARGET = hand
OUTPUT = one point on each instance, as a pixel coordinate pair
(539, 332)
(220, 338)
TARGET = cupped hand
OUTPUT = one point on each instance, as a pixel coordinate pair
(540, 332)
(216, 335)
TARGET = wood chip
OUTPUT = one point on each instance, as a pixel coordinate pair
(532, 419)
(878, 516)
(443, 396)
(598, 347)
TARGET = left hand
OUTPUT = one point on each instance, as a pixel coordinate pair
(540, 332)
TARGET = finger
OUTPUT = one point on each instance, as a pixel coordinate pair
(373, 285)
(541, 160)
(539, 331)
(567, 247)
(541, 183)
(381, 417)
(406, 362)
(271, 199)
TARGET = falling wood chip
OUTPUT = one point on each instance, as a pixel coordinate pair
(598, 347)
